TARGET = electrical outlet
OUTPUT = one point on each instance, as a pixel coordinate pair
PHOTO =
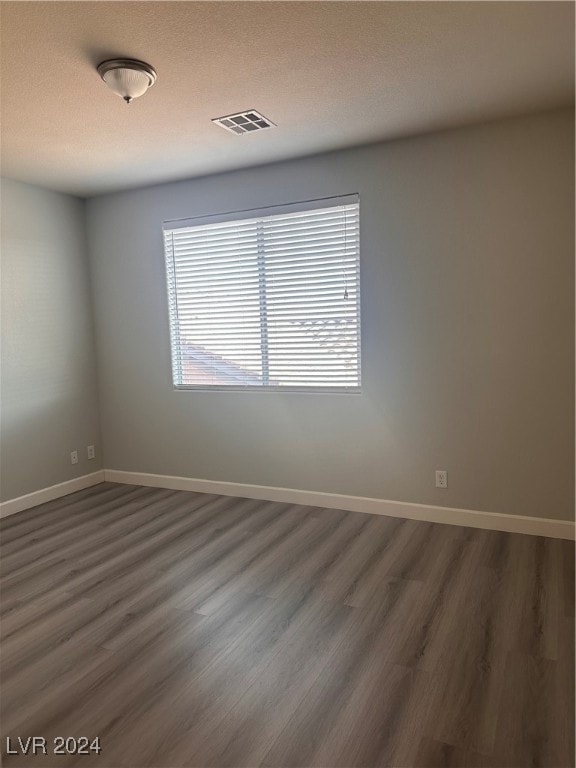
(90, 452)
(441, 478)
(74, 457)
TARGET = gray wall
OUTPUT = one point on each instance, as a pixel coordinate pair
(48, 386)
(468, 328)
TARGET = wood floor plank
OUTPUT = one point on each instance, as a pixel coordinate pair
(535, 718)
(361, 656)
(81, 538)
(569, 601)
(536, 563)
(87, 503)
(470, 670)
(265, 690)
(192, 631)
(435, 754)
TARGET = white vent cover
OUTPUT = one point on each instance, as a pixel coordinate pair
(244, 122)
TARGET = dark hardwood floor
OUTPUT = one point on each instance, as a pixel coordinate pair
(192, 630)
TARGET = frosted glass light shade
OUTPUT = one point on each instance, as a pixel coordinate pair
(128, 78)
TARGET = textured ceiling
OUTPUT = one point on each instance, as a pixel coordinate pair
(329, 74)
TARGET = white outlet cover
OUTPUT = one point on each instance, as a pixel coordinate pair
(74, 457)
(91, 453)
(441, 478)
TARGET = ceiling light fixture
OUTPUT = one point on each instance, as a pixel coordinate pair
(129, 78)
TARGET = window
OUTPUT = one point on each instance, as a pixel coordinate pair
(266, 299)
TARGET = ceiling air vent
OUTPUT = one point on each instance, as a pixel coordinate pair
(244, 122)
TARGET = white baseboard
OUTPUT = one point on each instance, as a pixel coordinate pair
(51, 493)
(536, 526)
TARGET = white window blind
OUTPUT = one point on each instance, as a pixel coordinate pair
(266, 299)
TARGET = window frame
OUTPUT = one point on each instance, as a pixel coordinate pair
(254, 213)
